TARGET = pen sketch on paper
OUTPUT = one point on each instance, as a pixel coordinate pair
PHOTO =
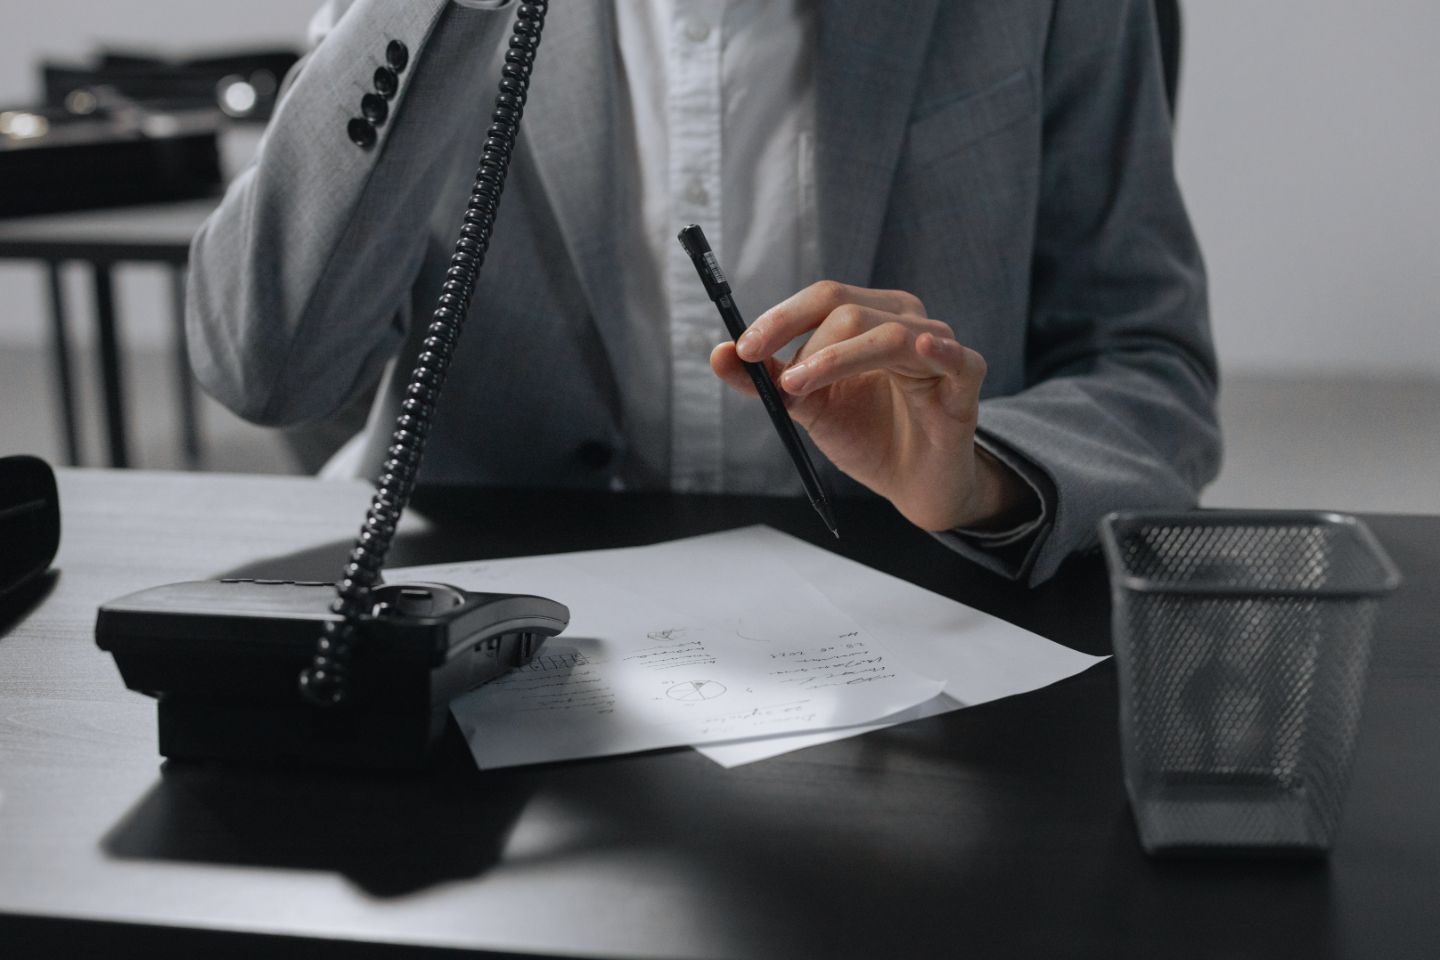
(690, 691)
(559, 682)
(979, 657)
(605, 693)
(631, 673)
(557, 658)
(780, 653)
(847, 662)
(671, 649)
(760, 721)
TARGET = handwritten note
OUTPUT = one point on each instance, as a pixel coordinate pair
(978, 657)
(633, 673)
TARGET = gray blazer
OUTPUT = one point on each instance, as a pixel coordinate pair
(1008, 161)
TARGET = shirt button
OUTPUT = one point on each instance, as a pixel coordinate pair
(699, 344)
(697, 31)
(696, 193)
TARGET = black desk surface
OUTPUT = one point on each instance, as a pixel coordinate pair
(1000, 830)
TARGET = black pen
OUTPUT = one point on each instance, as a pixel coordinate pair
(692, 238)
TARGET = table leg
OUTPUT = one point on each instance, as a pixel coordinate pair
(184, 380)
(110, 365)
(61, 350)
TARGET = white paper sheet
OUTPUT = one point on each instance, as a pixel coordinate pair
(979, 657)
(633, 672)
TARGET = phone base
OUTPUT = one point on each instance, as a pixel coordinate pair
(223, 660)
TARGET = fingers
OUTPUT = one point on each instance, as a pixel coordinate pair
(854, 331)
(811, 307)
(893, 347)
(849, 321)
(729, 368)
(965, 371)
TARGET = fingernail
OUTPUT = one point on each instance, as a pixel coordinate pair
(749, 342)
(794, 379)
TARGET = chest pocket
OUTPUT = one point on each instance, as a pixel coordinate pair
(947, 125)
(961, 221)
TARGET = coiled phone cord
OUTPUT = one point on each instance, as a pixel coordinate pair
(325, 681)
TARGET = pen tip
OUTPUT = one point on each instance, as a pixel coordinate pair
(822, 507)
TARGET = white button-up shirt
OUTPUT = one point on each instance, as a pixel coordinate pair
(722, 96)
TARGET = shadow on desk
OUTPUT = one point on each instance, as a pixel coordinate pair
(389, 835)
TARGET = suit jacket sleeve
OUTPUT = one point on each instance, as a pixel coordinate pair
(1121, 375)
(300, 279)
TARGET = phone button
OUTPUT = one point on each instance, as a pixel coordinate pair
(416, 599)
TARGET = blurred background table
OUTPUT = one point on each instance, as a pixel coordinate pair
(104, 239)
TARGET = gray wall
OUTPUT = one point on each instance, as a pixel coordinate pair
(1309, 131)
(1309, 135)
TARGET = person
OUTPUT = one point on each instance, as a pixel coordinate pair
(965, 215)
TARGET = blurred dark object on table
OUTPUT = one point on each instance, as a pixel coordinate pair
(121, 152)
(29, 522)
(241, 84)
(131, 127)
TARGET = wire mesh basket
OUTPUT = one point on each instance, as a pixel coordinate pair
(1242, 641)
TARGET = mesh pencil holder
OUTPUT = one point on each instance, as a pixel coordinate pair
(1242, 641)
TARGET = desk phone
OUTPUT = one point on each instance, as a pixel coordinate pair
(354, 672)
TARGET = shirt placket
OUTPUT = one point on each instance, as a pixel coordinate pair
(694, 115)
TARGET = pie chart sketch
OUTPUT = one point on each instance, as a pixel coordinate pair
(693, 691)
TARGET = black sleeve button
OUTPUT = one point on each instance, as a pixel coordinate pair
(374, 107)
(362, 134)
(386, 83)
(397, 55)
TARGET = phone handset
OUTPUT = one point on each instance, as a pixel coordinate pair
(221, 657)
(325, 681)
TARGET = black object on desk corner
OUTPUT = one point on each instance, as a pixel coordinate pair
(692, 238)
(29, 521)
(352, 673)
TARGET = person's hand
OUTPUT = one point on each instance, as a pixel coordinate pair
(889, 396)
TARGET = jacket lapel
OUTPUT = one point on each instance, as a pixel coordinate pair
(869, 60)
(572, 120)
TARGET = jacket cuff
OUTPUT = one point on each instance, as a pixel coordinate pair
(1011, 552)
